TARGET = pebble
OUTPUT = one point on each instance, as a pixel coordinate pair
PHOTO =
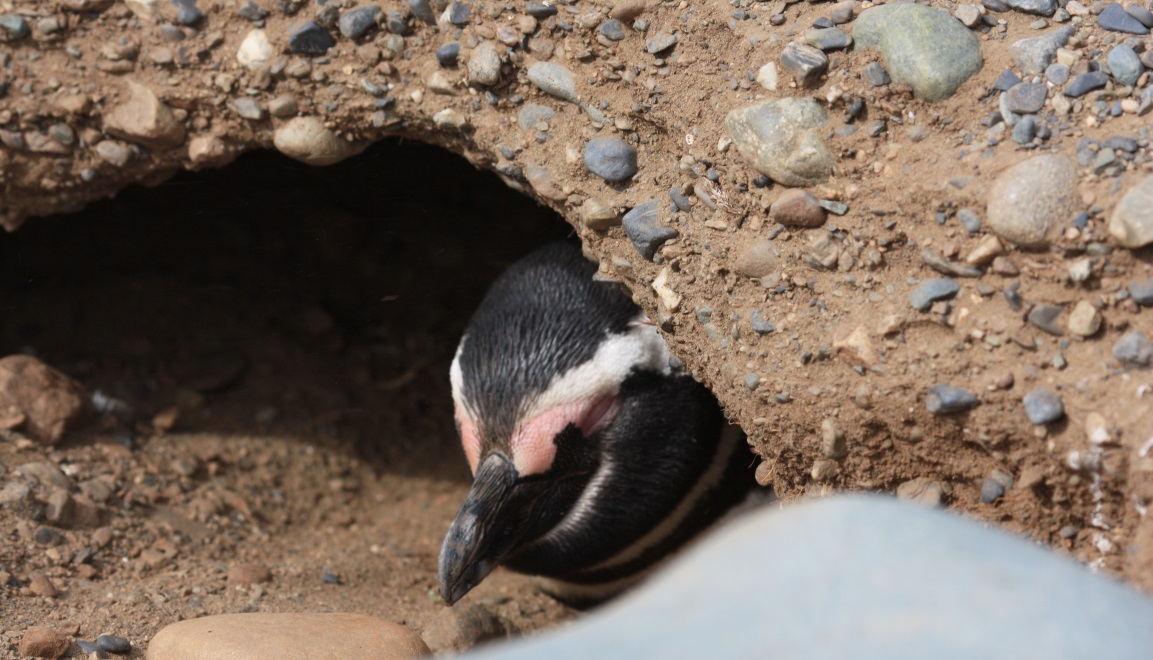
(830, 38)
(1029, 202)
(355, 23)
(1115, 19)
(113, 152)
(1085, 83)
(484, 65)
(42, 586)
(767, 76)
(143, 118)
(459, 14)
(43, 642)
(923, 47)
(1125, 64)
(554, 79)
(833, 444)
(662, 41)
(986, 251)
(310, 38)
(946, 399)
(599, 215)
(1043, 406)
(808, 63)
(930, 291)
(1084, 320)
(781, 140)
(1141, 14)
(422, 10)
(308, 140)
(1134, 348)
(255, 50)
(1026, 98)
(1036, 53)
(462, 627)
(251, 11)
(921, 490)
(532, 114)
(1045, 318)
(450, 118)
(969, 15)
(248, 108)
(283, 106)
(627, 10)
(876, 74)
(752, 380)
(51, 402)
(248, 574)
(991, 490)
(797, 208)
(1141, 291)
(266, 635)
(15, 26)
(1132, 221)
(541, 10)
(1057, 73)
(760, 325)
(643, 226)
(757, 259)
(447, 54)
(610, 158)
(1039, 7)
(613, 29)
(1025, 130)
(114, 644)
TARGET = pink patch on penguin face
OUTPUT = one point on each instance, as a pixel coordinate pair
(468, 438)
(534, 443)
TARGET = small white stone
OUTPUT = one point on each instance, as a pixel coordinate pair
(767, 76)
(669, 298)
(449, 118)
(255, 51)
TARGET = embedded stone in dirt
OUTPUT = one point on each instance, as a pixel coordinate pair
(248, 574)
(43, 642)
(780, 139)
(143, 118)
(1132, 220)
(51, 402)
(261, 635)
(308, 140)
(1134, 348)
(1030, 201)
(644, 228)
(946, 399)
(798, 208)
(610, 158)
(464, 626)
(758, 259)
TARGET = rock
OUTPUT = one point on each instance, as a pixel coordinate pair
(64, 510)
(1085, 320)
(1045, 318)
(142, 118)
(248, 108)
(828, 38)
(258, 636)
(42, 586)
(1125, 64)
(43, 642)
(447, 54)
(669, 298)
(767, 76)
(781, 140)
(1036, 53)
(114, 644)
(946, 399)
(450, 118)
(422, 10)
(1132, 221)
(356, 22)
(610, 158)
(209, 151)
(922, 490)
(51, 402)
(823, 470)
(248, 574)
(930, 291)
(627, 10)
(1085, 83)
(986, 251)
(757, 259)
(15, 26)
(1115, 19)
(1141, 14)
(797, 208)
(969, 15)
(991, 490)
(308, 140)
(876, 74)
(643, 227)
(613, 29)
(1026, 98)
(462, 627)
(554, 79)
(1043, 406)
(309, 38)
(1039, 7)
(1029, 202)
(660, 43)
(283, 106)
(113, 152)
(924, 48)
(540, 10)
(255, 50)
(599, 215)
(1134, 349)
(532, 114)
(541, 181)
(1142, 292)
(808, 63)
(484, 65)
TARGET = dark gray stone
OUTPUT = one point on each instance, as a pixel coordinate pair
(113, 644)
(1134, 349)
(459, 13)
(613, 29)
(808, 63)
(1143, 15)
(829, 38)
(610, 158)
(187, 13)
(991, 490)
(1057, 73)
(354, 23)
(1026, 98)
(448, 54)
(1039, 7)
(876, 74)
(970, 220)
(1045, 317)
(643, 226)
(397, 22)
(760, 325)
(1006, 81)
(1085, 83)
(1122, 143)
(1115, 19)
(422, 10)
(660, 43)
(1125, 64)
(1043, 406)
(16, 27)
(1036, 53)
(680, 200)
(946, 399)
(1025, 130)
(251, 11)
(310, 39)
(540, 10)
(1142, 292)
(930, 291)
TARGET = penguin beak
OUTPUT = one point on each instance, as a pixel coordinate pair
(488, 526)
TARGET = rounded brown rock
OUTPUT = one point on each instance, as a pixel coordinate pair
(43, 642)
(797, 208)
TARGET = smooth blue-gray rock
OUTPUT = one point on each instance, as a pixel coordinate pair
(1115, 19)
(867, 577)
(830, 38)
(946, 399)
(1029, 202)
(613, 29)
(643, 227)
(114, 644)
(448, 54)
(930, 291)
(1043, 406)
(422, 10)
(1039, 7)
(610, 158)
(781, 139)
(1045, 317)
(15, 26)
(310, 38)
(1006, 80)
(541, 10)
(808, 63)
(1025, 130)
(532, 114)
(1143, 15)
(1142, 292)
(924, 48)
(991, 490)
(876, 74)
(1134, 349)
(552, 78)
(187, 13)
(1125, 64)
(1132, 221)
(1085, 83)
(1026, 98)
(1057, 73)
(761, 326)
(1036, 53)
(354, 23)
(969, 219)
(661, 42)
(459, 14)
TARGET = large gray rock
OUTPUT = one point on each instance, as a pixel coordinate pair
(780, 139)
(924, 48)
(860, 577)
(1132, 220)
(1036, 53)
(1030, 201)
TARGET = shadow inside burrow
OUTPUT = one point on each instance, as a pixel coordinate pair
(274, 297)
